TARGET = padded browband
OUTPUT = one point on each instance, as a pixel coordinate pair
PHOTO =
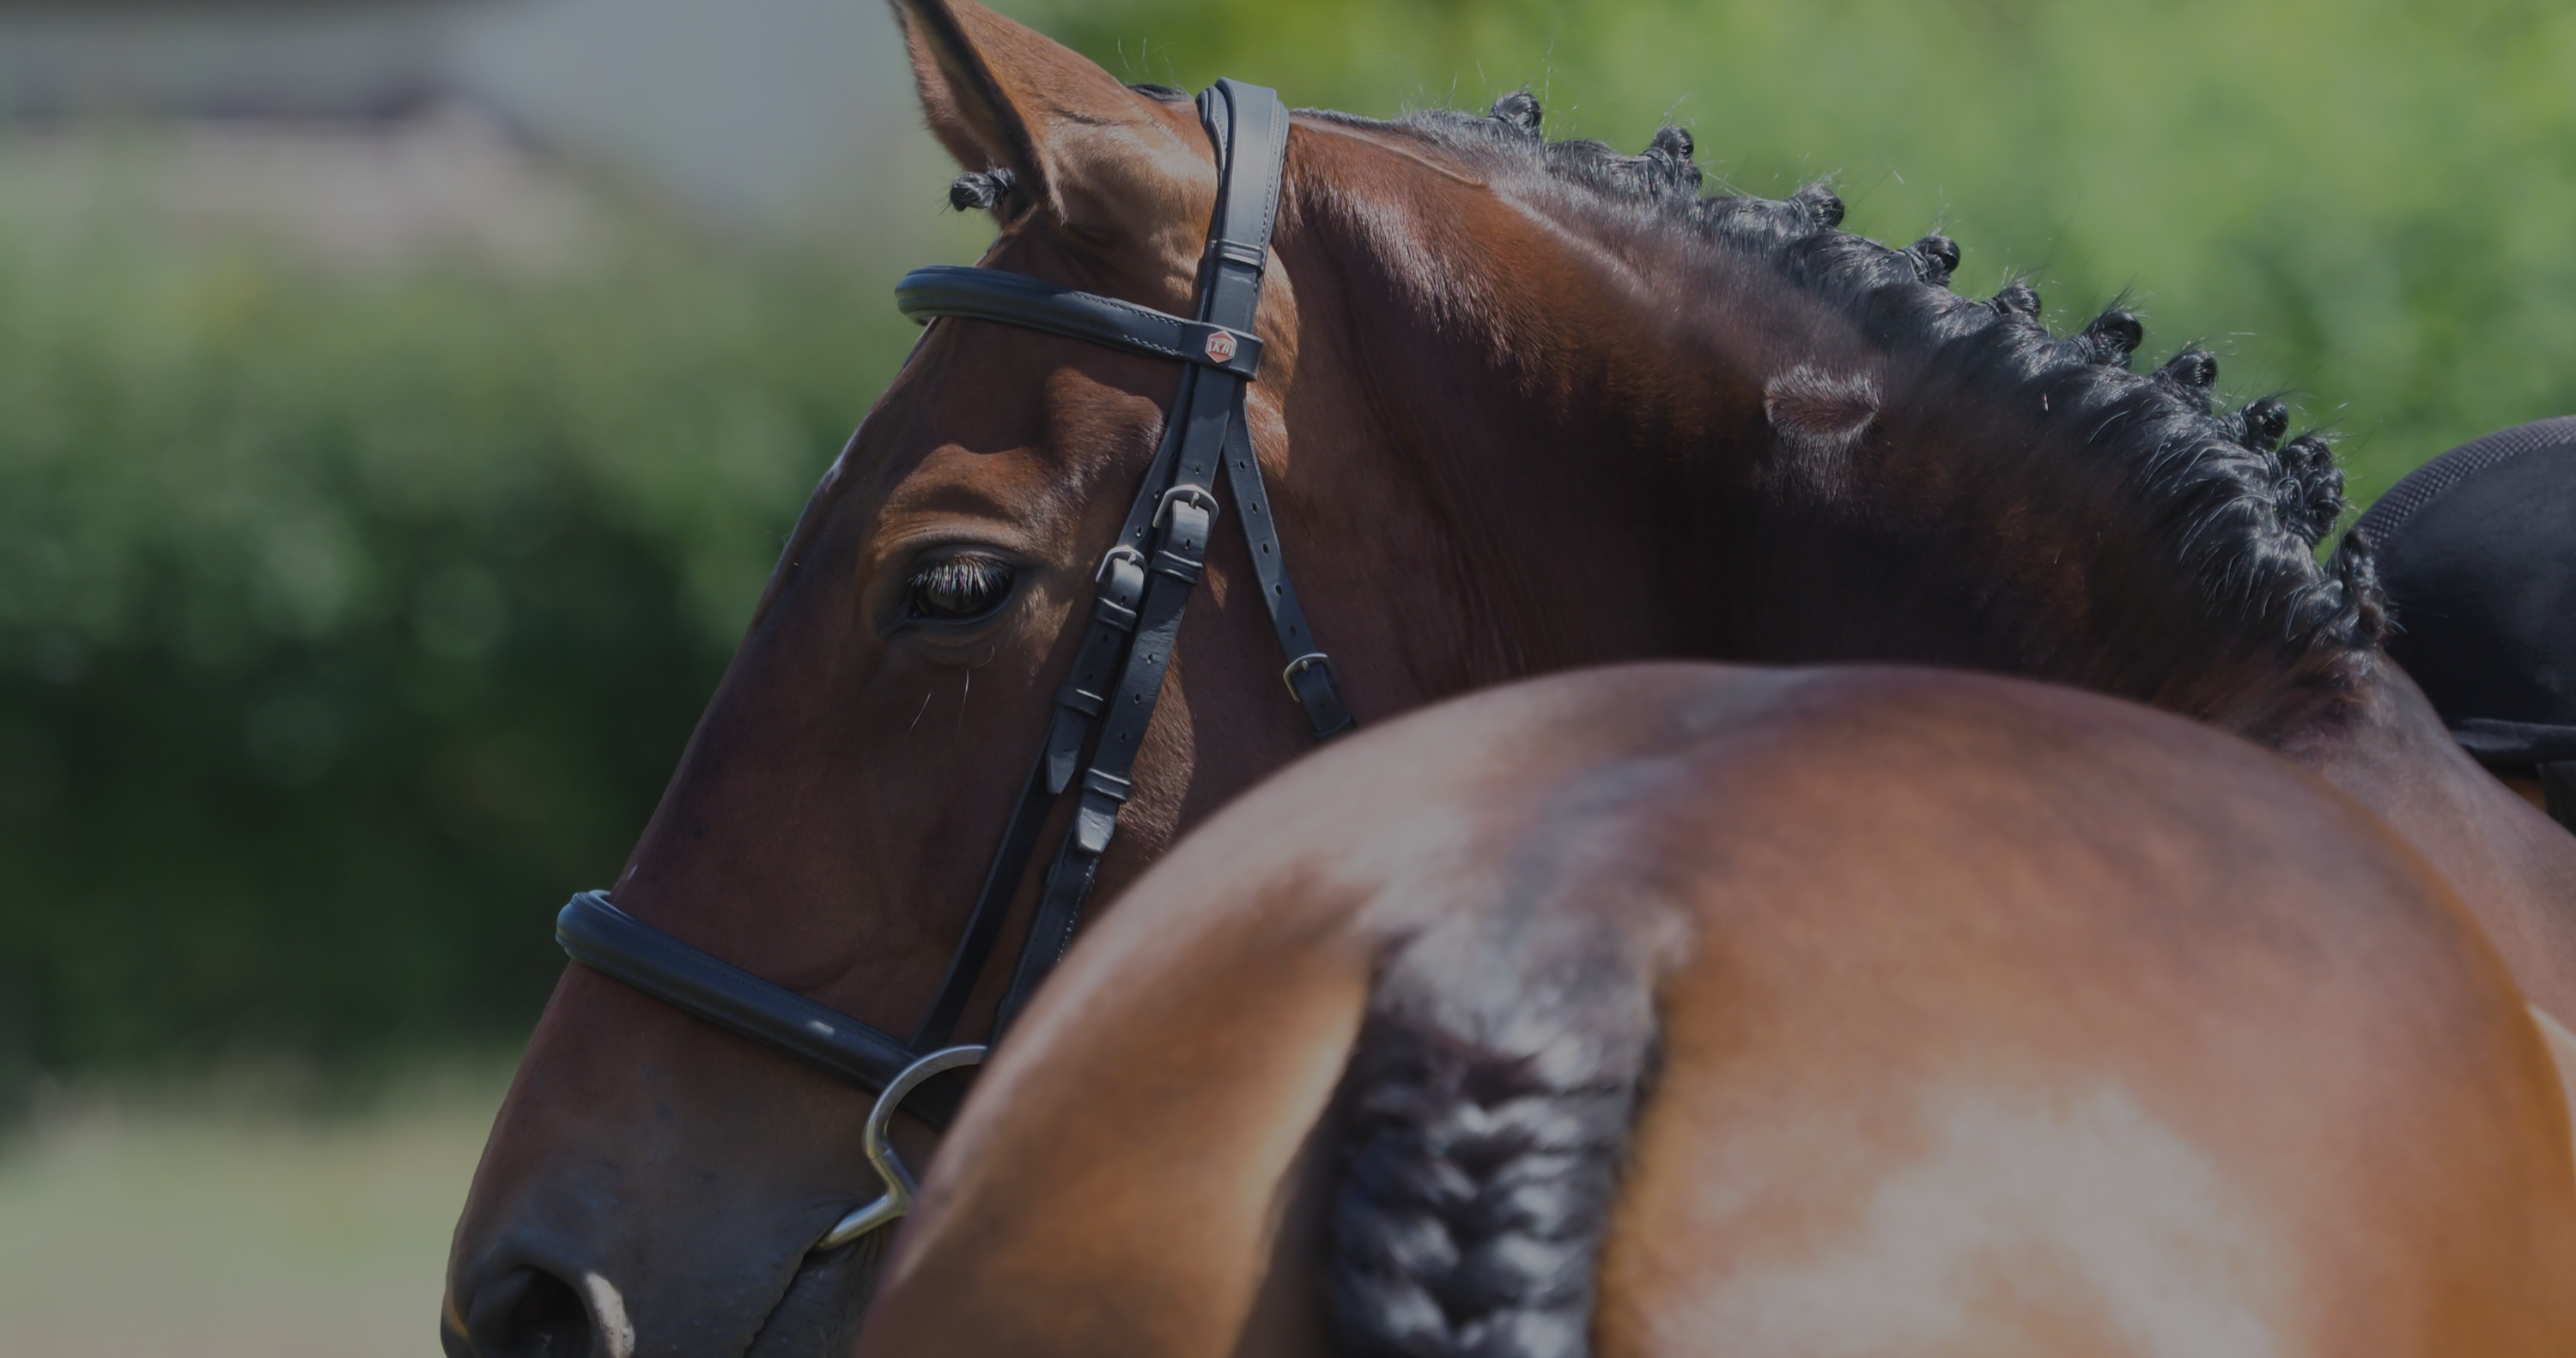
(606, 939)
(1144, 585)
(1017, 299)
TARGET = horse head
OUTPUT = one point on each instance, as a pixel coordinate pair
(654, 1184)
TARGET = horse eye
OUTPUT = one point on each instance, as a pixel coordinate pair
(960, 588)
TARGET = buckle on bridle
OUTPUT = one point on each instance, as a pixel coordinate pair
(1310, 660)
(1110, 558)
(1184, 493)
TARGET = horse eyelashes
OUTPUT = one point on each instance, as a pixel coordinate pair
(959, 588)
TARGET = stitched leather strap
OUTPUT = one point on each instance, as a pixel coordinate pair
(1017, 299)
(1142, 592)
(606, 939)
(1249, 127)
(1118, 595)
(1187, 515)
(1309, 673)
(1236, 254)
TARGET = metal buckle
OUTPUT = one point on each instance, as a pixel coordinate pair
(1300, 665)
(1121, 552)
(1196, 495)
(899, 1183)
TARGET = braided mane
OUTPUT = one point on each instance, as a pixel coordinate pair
(1491, 1092)
(2223, 503)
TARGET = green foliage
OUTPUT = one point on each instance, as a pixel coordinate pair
(2366, 202)
(347, 624)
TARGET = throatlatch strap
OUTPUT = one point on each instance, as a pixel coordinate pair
(1309, 674)
(1237, 253)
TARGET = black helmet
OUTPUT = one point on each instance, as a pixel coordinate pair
(2477, 550)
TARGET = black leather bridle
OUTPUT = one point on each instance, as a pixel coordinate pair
(1143, 585)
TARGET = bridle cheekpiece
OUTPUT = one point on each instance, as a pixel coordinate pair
(1143, 585)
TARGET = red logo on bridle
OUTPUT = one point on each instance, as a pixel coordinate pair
(1220, 346)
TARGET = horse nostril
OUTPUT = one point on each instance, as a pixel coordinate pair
(529, 1313)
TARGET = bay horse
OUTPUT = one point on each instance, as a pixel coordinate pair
(1686, 1009)
(1525, 406)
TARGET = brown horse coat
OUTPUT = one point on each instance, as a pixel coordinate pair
(1524, 407)
(1970, 1017)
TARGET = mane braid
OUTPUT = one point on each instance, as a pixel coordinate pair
(2217, 497)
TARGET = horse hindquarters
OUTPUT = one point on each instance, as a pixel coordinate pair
(1773, 1015)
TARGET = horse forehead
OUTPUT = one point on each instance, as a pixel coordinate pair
(987, 404)
(1016, 486)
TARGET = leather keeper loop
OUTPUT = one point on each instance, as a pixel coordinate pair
(1095, 821)
(1178, 567)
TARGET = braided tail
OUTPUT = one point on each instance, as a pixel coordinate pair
(1482, 1143)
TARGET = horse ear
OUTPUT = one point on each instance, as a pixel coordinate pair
(999, 94)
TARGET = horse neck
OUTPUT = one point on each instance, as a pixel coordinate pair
(1596, 414)
(1527, 468)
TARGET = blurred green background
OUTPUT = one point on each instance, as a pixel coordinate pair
(351, 620)
(352, 616)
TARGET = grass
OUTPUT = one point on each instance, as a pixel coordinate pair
(224, 1221)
